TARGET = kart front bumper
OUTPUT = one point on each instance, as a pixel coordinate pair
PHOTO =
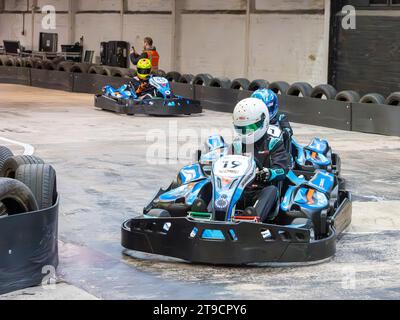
(237, 244)
(157, 107)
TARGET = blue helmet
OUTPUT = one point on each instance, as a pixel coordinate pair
(270, 99)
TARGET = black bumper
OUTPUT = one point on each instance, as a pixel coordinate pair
(155, 107)
(287, 245)
(28, 248)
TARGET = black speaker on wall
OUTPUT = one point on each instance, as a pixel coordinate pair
(48, 42)
(114, 53)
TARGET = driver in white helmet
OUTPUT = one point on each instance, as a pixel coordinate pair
(251, 121)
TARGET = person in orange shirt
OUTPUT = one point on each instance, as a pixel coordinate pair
(149, 52)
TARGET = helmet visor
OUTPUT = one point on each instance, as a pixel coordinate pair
(251, 128)
(143, 71)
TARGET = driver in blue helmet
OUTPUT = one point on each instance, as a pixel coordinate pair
(271, 101)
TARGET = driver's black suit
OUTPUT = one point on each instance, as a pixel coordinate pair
(270, 153)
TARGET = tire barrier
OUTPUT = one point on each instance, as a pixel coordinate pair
(324, 91)
(79, 68)
(300, 89)
(373, 98)
(348, 96)
(186, 78)
(222, 82)
(28, 222)
(173, 76)
(240, 84)
(393, 99)
(65, 66)
(279, 87)
(258, 84)
(202, 79)
(342, 111)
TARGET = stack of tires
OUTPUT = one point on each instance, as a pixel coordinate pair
(27, 184)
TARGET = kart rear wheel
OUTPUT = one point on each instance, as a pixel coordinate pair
(158, 213)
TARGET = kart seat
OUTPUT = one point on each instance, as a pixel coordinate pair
(310, 196)
(317, 155)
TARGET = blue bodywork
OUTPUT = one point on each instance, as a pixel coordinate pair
(123, 92)
(317, 154)
(310, 196)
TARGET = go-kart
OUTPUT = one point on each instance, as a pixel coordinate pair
(160, 101)
(201, 218)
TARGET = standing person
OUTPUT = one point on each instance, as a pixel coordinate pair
(149, 52)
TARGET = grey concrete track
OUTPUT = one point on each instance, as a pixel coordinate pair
(105, 177)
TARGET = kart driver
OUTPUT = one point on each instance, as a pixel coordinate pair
(271, 101)
(141, 82)
(251, 122)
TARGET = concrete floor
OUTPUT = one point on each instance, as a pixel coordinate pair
(105, 177)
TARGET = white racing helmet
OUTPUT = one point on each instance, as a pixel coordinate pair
(251, 120)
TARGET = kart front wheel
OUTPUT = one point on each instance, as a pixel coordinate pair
(158, 213)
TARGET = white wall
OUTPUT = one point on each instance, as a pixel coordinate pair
(287, 47)
(283, 46)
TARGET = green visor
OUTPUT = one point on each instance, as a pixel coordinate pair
(251, 127)
(143, 71)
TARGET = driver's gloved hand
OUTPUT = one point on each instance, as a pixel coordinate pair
(263, 176)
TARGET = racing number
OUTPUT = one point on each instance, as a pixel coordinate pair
(231, 164)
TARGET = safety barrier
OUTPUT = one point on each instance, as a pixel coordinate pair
(351, 116)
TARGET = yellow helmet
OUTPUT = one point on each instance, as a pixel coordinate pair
(144, 69)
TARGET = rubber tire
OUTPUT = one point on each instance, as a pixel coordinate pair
(324, 90)
(374, 98)
(222, 82)
(298, 88)
(5, 154)
(19, 62)
(30, 63)
(279, 87)
(348, 96)
(202, 79)
(49, 65)
(80, 68)
(159, 73)
(8, 61)
(258, 84)
(65, 66)
(240, 84)
(16, 197)
(186, 78)
(393, 99)
(158, 213)
(100, 70)
(41, 180)
(11, 165)
(119, 72)
(173, 76)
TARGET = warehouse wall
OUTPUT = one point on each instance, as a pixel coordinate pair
(288, 39)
